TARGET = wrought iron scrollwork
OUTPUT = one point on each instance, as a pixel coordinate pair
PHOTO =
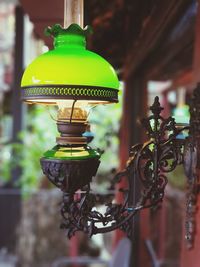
(148, 162)
(191, 166)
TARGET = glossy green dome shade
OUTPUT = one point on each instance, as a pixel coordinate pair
(69, 71)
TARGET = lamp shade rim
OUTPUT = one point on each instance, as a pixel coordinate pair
(52, 93)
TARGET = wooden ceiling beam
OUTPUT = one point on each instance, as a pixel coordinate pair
(163, 18)
(167, 66)
(44, 9)
(42, 14)
(183, 79)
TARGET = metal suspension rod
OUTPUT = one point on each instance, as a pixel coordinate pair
(73, 12)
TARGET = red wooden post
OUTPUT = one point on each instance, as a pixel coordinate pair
(73, 248)
(123, 151)
(134, 107)
(74, 243)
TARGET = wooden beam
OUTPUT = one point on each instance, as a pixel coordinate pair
(155, 29)
(185, 79)
(44, 10)
(167, 66)
(134, 107)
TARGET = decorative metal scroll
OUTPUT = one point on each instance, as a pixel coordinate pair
(191, 166)
(148, 162)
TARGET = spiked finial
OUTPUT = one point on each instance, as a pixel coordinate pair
(156, 107)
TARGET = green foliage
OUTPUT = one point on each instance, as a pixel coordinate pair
(39, 136)
(105, 121)
(5, 163)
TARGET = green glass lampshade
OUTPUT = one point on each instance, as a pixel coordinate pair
(69, 72)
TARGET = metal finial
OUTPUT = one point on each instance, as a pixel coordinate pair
(156, 107)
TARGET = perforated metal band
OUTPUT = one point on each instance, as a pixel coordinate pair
(69, 92)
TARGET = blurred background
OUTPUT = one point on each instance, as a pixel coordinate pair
(155, 48)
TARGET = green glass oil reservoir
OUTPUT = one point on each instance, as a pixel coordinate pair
(70, 168)
(71, 153)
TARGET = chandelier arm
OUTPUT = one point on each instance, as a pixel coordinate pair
(114, 227)
(173, 136)
(124, 220)
(96, 217)
(136, 209)
(148, 162)
(108, 218)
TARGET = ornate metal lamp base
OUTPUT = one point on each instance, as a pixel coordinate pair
(70, 175)
(148, 162)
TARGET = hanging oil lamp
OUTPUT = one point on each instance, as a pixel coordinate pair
(75, 79)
